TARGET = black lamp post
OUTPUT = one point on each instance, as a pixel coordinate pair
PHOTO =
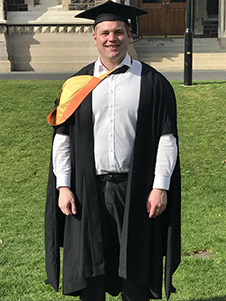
(188, 36)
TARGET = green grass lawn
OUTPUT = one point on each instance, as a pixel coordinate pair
(25, 141)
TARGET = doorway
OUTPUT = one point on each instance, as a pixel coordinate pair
(164, 17)
(212, 8)
(210, 23)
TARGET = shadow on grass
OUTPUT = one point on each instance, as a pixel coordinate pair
(208, 82)
(222, 298)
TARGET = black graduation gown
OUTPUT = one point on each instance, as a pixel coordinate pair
(144, 241)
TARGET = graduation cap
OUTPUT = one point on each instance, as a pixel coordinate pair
(112, 11)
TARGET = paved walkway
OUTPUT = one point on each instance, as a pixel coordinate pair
(197, 75)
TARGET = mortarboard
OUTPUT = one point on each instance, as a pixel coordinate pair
(111, 11)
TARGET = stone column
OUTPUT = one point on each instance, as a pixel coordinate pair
(200, 14)
(2, 17)
(30, 3)
(222, 23)
(65, 4)
(4, 62)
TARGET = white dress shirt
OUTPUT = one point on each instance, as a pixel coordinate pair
(115, 116)
(115, 105)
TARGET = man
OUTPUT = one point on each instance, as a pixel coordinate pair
(115, 173)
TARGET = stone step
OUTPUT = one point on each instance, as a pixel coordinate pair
(168, 54)
(55, 52)
(54, 66)
(201, 61)
(60, 47)
(44, 57)
(171, 41)
(176, 46)
(149, 50)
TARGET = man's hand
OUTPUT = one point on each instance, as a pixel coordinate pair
(66, 201)
(157, 202)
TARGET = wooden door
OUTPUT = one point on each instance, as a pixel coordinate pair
(164, 17)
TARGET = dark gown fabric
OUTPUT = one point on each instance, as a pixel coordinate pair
(144, 241)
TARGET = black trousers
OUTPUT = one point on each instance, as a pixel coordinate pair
(111, 205)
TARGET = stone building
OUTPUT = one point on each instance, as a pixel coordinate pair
(43, 35)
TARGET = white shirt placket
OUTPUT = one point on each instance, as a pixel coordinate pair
(111, 136)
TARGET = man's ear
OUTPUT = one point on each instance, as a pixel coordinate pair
(130, 35)
(94, 37)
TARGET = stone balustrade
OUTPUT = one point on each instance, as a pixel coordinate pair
(32, 29)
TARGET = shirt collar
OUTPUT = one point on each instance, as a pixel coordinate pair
(99, 67)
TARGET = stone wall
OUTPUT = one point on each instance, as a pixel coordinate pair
(52, 48)
(222, 23)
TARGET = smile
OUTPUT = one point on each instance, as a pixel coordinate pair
(112, 46)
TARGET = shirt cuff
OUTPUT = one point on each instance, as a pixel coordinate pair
(63, 180)
(161, 182)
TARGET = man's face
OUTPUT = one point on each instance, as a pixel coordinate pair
(112, 40)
